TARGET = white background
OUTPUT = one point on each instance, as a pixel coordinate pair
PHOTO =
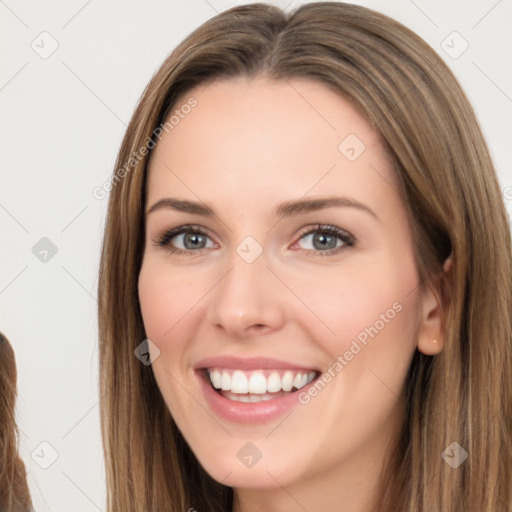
(62, 121)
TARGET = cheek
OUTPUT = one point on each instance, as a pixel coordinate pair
(156, 303)
(166, 298)
(166, 302)
(359, 304)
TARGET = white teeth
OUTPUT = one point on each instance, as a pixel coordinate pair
(274, 383)
(287, 381)
(216, 379)
(226, 381)
(256, 383)
(239, 382)
(248, 398)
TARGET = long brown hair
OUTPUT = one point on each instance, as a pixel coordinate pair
(14, 493)
(451, 191)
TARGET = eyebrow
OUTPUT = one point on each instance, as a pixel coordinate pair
(286, 209)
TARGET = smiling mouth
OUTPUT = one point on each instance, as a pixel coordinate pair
(257, 385)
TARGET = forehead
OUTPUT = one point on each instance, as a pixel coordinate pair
(255, 137)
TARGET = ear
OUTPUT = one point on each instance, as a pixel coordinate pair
(434, 301)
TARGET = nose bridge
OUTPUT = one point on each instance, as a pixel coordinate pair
(246, 296)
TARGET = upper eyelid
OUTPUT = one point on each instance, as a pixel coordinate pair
(183, 229)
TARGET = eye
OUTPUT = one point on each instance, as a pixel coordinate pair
(189, 237)
(327, 240)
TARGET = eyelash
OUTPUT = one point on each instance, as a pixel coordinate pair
(347, 239)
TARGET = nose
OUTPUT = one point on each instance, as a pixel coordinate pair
(248, 300)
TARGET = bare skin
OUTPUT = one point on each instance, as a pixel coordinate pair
(247, 147)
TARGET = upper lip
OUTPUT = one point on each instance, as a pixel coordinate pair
(249, 363)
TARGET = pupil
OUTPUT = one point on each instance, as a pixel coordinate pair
(193, 238)
(322, 238)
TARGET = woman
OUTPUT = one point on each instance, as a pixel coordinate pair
(14, 493)
(374, 375)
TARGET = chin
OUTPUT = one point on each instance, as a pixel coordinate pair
(240, 463)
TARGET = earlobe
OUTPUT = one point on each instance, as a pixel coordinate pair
(431, 331)
(430, 336)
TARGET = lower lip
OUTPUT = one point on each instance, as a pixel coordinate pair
(244, 412)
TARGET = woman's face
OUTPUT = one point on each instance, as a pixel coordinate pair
(303, 268)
